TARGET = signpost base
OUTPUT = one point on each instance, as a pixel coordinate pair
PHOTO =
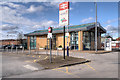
(67, 51)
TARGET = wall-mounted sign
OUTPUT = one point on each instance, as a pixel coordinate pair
(64, 14)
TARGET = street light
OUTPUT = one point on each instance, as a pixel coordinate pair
(96, 29)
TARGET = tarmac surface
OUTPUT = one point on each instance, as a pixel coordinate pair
(24, 66)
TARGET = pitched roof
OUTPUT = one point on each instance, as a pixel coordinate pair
(83, 27)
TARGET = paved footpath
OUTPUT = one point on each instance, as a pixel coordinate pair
(101, 66)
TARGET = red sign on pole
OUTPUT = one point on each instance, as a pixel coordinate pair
(64, 14)
(63, 6)
(50, 29)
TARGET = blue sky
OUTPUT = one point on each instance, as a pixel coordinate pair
(26, 17)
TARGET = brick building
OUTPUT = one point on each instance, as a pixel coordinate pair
(81, 37)
(11, 42)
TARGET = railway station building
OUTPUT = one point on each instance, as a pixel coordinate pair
(81, 37)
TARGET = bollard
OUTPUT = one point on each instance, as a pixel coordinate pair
(29, 50)
(7, 49)
(23, 50)
(36, 51)
(46, 51)
(16, 50)
(57, 51)
(11, 49)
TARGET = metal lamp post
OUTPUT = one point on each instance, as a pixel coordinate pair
(96, 29)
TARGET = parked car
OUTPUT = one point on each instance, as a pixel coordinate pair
(14, 46)
(6, 46)
(20, 46)
(23, 45)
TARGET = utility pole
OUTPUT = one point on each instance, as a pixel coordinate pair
(96, 29)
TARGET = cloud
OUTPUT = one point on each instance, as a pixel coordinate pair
(53, 3)
(111, 29)
(46, 23)
(87, 19)
(14, 21)
(111, 21)
(14, 17)
(12, 32)
(34, 9)
(9, 28)
(10, 4)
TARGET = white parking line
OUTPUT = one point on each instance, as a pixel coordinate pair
(30, 67)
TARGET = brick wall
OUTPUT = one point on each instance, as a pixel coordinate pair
(80, 39)
(9, 42)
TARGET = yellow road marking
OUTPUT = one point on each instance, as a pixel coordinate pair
(66, 69)
(57, 69)
(35, 60)
(27, 61)
(64, 72)
(46, 57)
(90, 66)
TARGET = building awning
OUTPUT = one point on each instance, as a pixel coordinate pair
(83, 27)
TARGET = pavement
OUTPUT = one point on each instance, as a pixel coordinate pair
(13, 64)
(23, 66)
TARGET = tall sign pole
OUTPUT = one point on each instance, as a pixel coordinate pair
(64, 42)
(64, 21)
(50, 37)
(68, 32)
(96, 29)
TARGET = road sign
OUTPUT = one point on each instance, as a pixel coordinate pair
(66, 34)
(50, 29)
(63, 6)
(64, 13)
(49, 35)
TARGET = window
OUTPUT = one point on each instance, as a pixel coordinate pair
(74, 40)
(33, 42)
(86, 40)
